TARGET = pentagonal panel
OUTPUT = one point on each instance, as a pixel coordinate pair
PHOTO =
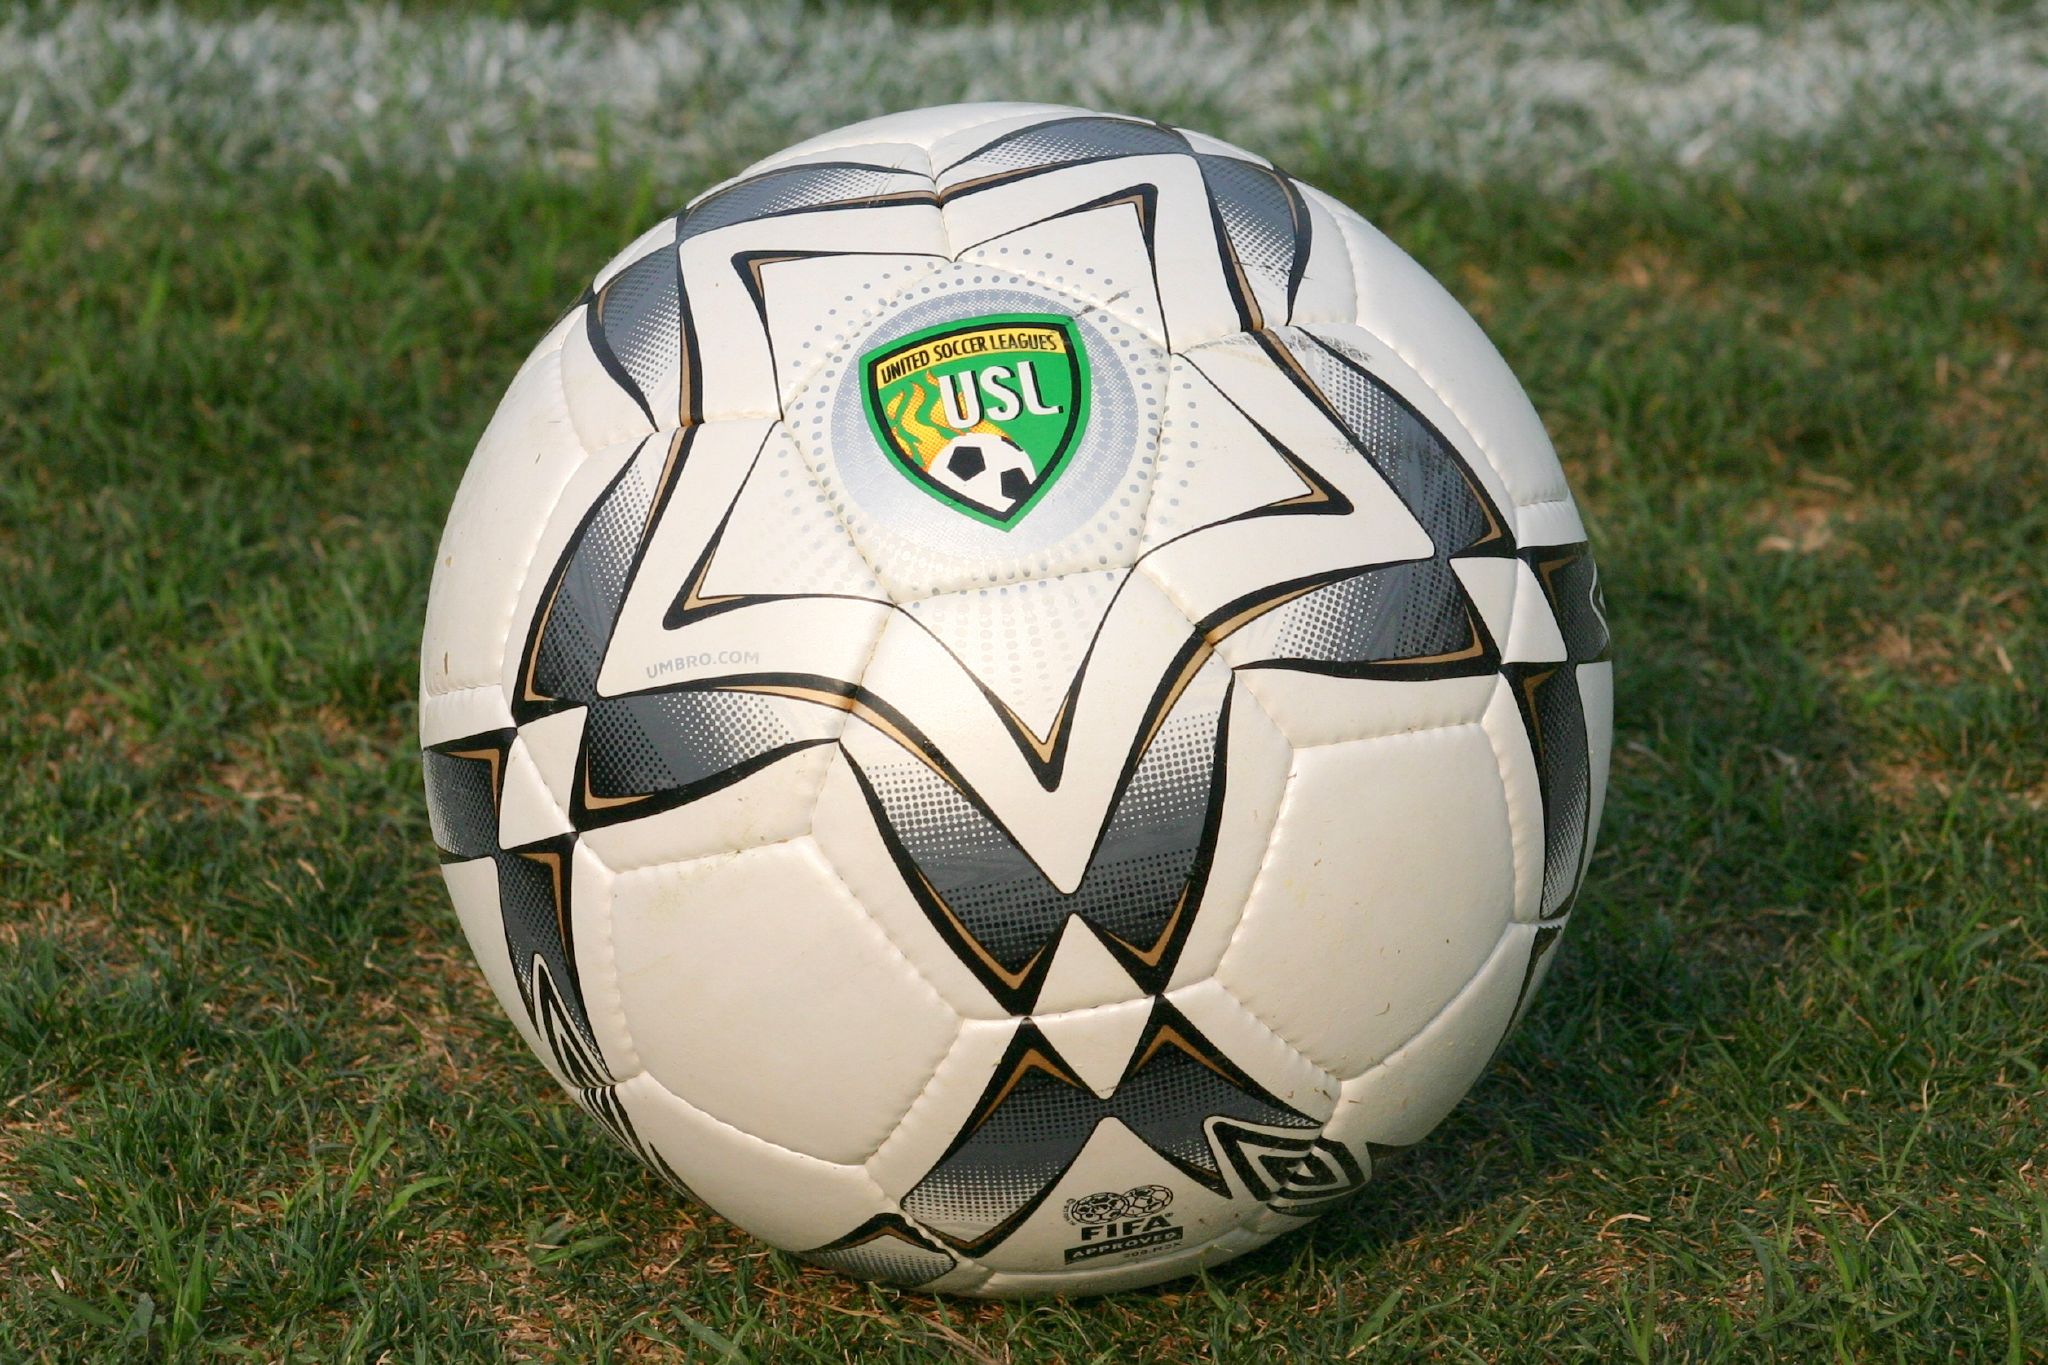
(758, 990)
(1389, 880)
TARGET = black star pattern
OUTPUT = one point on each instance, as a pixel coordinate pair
(658, 748)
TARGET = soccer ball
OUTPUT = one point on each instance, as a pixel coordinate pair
(1013, 699)
(988, 472)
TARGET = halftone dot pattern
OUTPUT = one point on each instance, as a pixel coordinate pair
(643, 319)
(1253, 202)
(462, 804)
(671, 739)
(1403, 611)
(1138, 875)
(586, 603)
(886, 1259)
(1091, 518)
(1092, 526)
(781, 191)
(1025, 641)
(1406, 454)
(1062, 141)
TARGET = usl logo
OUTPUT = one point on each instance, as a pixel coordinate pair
(982, 413)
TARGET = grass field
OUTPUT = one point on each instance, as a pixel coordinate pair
(1782, 1099)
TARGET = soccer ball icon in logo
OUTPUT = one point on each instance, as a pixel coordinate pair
(1014, 698)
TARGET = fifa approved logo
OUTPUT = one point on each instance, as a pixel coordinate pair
(1113, 1221)
(982, 413)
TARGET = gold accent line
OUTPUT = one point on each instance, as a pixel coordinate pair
(1471, 651)
(494, 757)
(1529, 686)
(1317, 492)
(1180, 685)
(1151, 956)
(1222, 629)
(1014, 980)
(1494, 530)
(553, 863)
(539, 634)
(1032, 1060)
(942, 195)
(691, 601)
(685, 343)
(1549, 567)
(593, 801)
(1172, 1035)
(1042, 747)
(1244, 285)
(755, 263)
(910, 196)
(899, 1234)
(1210, 638)
(853, 706)
(661, 483)
(1278, 351)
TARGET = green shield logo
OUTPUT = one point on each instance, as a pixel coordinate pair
(982, 413)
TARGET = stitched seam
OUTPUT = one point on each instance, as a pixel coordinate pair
(917, 973)
(796, 843)
(1336, 1082)
(503, 632)
(1479, 442)
(1264, 870)
(1264, 866)
(609, 923)
(718, 1122)
(1259, 877)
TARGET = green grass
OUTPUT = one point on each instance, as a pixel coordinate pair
(1783, 1098)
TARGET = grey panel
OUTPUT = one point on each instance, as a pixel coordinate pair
(787, 190)
(462, 794)
(1402, 611)
(1036, 1117)
(1264, 217)
(1150, 857)
(1571, 583)
(1064, 141)
(535, 889)
(885, 1248)
(662, 741)
(590, 587)
(1422, 469)
(638, 317)
(1555, 717)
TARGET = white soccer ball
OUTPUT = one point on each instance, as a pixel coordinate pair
(1047, 890)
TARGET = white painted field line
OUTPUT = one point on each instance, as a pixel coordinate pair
(101, 93)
